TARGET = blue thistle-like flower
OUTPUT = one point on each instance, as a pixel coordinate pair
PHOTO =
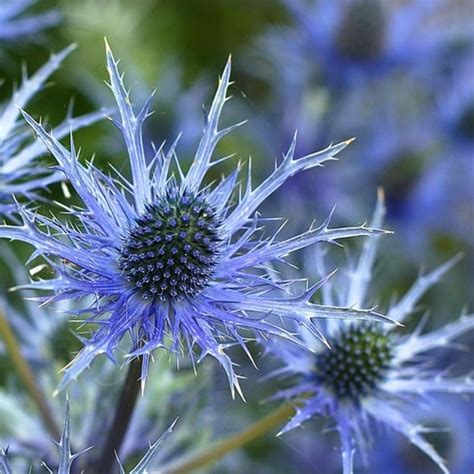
(370, 376)
(337, 67)
(20, 173)
(178, 261)
(15, 23)
(452, 167)
(326, 94)
(357, 40)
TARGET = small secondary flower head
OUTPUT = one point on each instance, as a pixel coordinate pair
(357, 360)
(442, 199)
(20, 173)
(165, 259)
(353, 40)
(370, 375)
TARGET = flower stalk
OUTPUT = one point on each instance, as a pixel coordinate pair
(122, 417)
(236, 441)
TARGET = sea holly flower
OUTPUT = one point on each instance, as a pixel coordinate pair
(166, 259)
(370, 375)
(15, 23)
(452, 167)
(334, 70)
(357, 40)
(20, 172)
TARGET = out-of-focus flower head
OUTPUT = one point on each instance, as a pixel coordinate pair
(445, 189)
(329, 67)
(16, 23)
(358, 40)
(21, 175)
(166, 260)
(385, 98)
(371, 375)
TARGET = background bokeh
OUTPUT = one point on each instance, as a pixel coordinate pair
(397, 75)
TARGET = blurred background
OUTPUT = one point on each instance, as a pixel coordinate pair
(397, 75)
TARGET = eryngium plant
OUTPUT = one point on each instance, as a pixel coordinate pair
(166, 259)
(371, 375)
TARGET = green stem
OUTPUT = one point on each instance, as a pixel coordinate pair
(26, 375)
(221, 448)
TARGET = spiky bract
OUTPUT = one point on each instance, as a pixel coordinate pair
(66, 458)
(20, 173)
(16, 23)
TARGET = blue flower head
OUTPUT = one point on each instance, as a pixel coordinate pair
(354, 40)
(15, 24)
(165, 259)
(370, 375)
(20, 173)
(419, 152)
(446, 187)
(456, 104)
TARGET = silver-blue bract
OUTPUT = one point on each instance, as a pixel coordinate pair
(16, 24)
(167, 260)
(66, 457)
(371, 376)
(20, 173)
